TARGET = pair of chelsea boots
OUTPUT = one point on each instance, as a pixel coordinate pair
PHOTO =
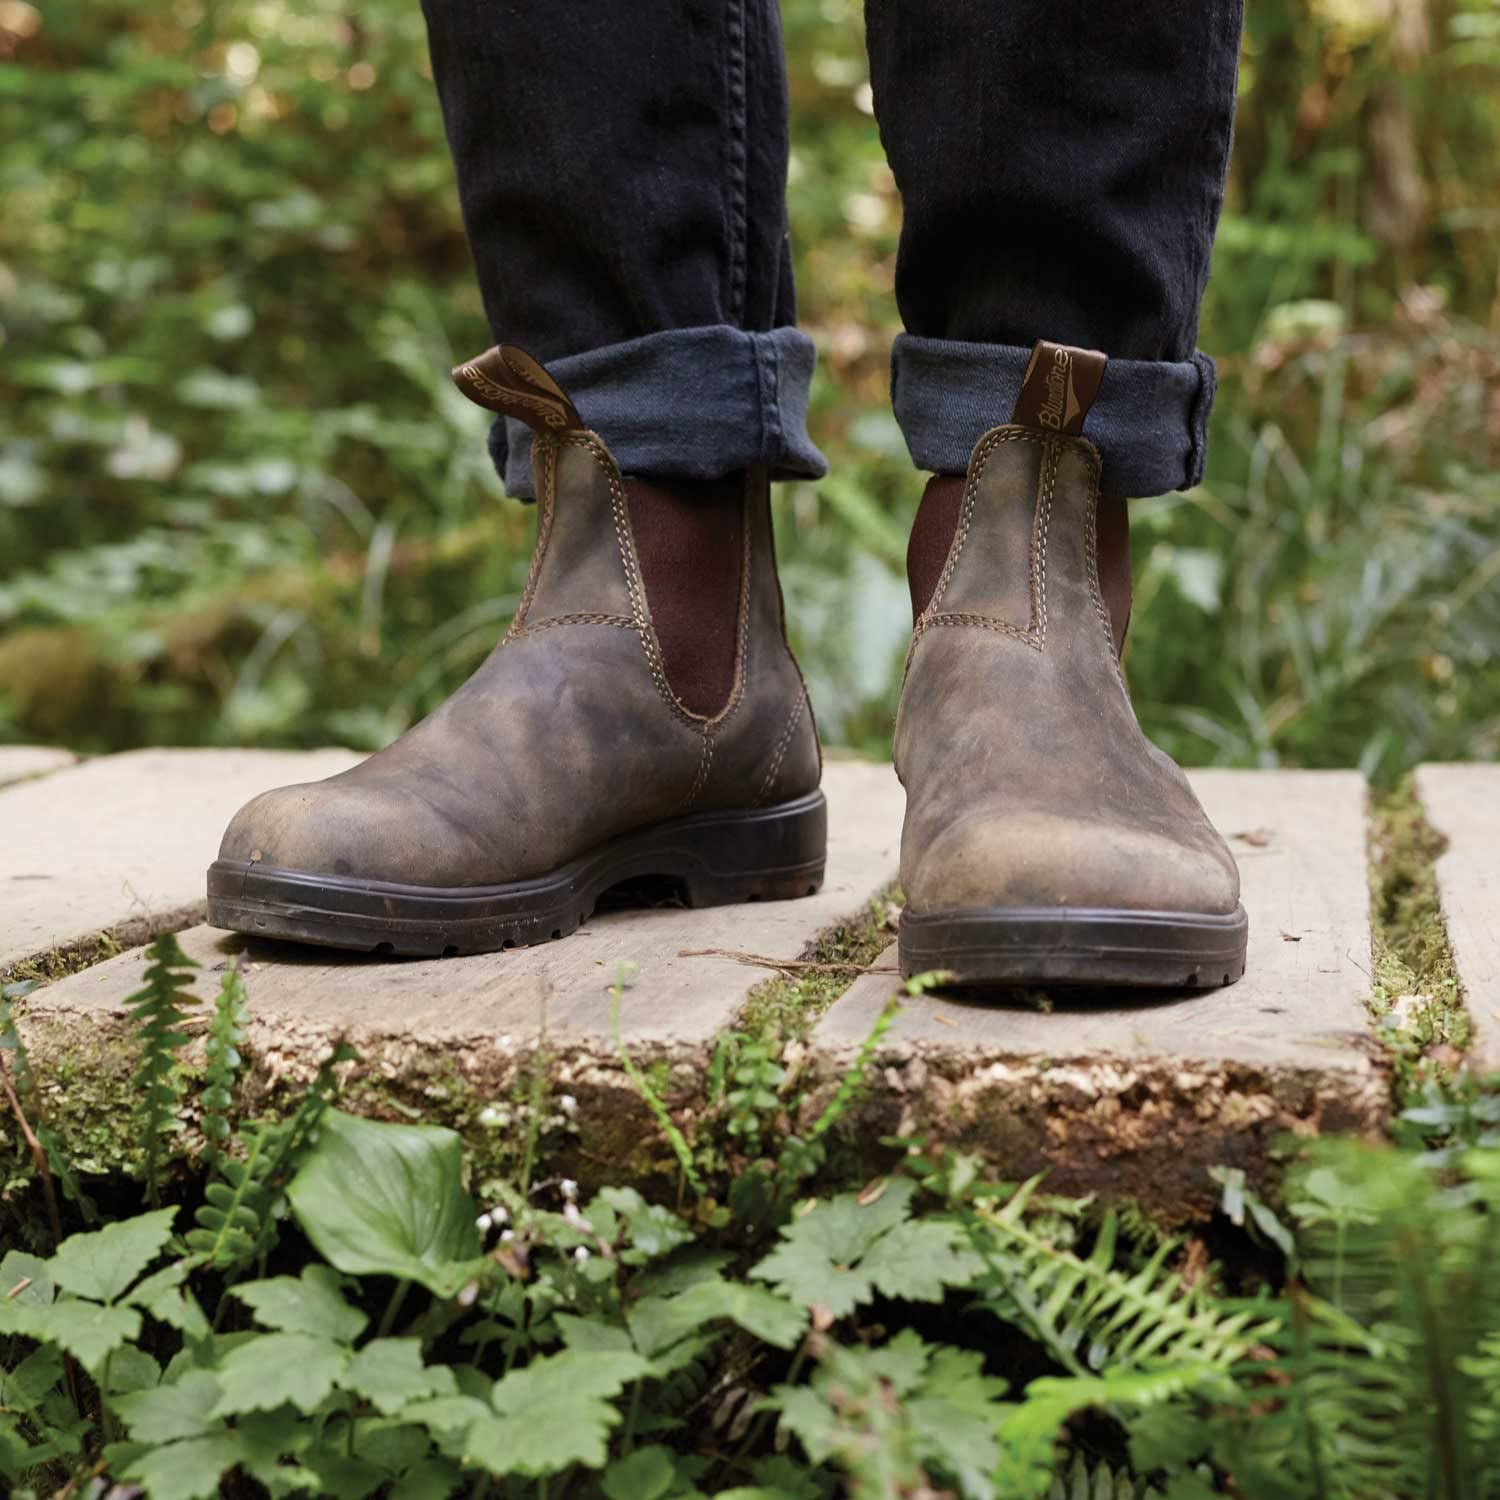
(1047, 841)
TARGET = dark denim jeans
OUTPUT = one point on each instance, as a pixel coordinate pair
(622, 169)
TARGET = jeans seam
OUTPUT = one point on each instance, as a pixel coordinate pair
(736, 207)
(770, 398)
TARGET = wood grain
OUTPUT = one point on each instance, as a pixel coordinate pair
(502, 997)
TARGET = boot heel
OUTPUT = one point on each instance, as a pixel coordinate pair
(768, 854)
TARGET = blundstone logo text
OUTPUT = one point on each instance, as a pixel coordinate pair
(1054, 406)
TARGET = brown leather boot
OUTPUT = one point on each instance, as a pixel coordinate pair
(1047, 841)
(569, 763)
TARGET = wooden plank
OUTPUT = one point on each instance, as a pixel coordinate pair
(22, 762)
(121, 843)
(1462, 802)
(498, 1000)
(1141, 1093)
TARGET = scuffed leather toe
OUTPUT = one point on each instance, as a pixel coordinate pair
(992, 857)
(346, 828)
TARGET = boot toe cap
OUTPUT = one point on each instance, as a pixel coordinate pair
(348, 830)
(1037, 860)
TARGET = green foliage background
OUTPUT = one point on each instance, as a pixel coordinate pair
(239, 502)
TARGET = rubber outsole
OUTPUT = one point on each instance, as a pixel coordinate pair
(706, 859)
(1074, 946)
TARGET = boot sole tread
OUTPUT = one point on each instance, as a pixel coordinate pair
(707, 859)
(1076, 947)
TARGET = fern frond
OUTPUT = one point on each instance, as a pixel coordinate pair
(236, 1224)
(158, 1010)
(226, 1036)
(1412, 1263)
(1101, 1482)
(1030, 1429)
(1089, 1313)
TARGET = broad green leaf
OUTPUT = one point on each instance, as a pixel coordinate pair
(17, 1268)
(130, 1369)
(395, 1444)
(169, 1412)
(83, 1329)
(445, 1414)
(311, 1303)
(653, 1231)
(432, 1479)
(348, 1478)
(920, 1260)
(756, 1492)
(389, 1374)
(645, 1474)
(841, 1252)
(103, 1264)
(382, 1199)
(656, 1323)
(272, 1368)
(553, 1413)
(32, 1378)
(173, 1305)
(188, 1470)
(955, 1418)
(687, 1268)
(592, 1335)
(267, 1438)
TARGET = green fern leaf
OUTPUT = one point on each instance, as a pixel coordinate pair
(1091, 1314)
(226, 1035)
(159, 1009)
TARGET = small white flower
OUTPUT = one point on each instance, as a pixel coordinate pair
(467, 1296)
(499, 1214)
(483, 1222)
(569, 1189)
(489, 1115)
(568, 1105)
(506, 1236)
(581, 1254)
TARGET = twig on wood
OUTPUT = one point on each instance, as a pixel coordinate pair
(788, 965)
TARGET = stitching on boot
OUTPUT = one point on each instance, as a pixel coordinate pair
(546, 445)
(782, 746)
(633, 585)
(1035, 634)
(1091, 558)
(742, 641)
(701, 779)
(984, 622)
(1043, 520)
(552, 622)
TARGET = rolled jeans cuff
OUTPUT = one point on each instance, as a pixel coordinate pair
(687, 403)
(1149, 420)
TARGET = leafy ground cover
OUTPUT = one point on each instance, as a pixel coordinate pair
(323, 1304)
(239, 504)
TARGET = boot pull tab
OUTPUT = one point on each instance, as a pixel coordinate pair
(508, 380)
(1059, 387)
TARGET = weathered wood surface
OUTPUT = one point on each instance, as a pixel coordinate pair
(1130, 1096)
(1142, 1090)
(499, 999)
(1462, 802)
(121, 844)
(21, 762)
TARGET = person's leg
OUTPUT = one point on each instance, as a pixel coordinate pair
(622, 173)
(1061, 168)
